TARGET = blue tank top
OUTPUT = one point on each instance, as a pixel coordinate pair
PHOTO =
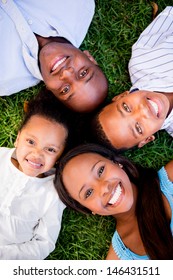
(120, 249)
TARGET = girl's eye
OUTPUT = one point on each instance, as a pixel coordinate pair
(51, 150)
(65, 89)
(126, 107)
(88, 193)
(100, 170)
(138, 128)
(30, 141)
(83, 73)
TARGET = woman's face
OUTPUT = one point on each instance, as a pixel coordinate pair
(98, 184)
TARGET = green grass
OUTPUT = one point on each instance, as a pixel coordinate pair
(115, 27)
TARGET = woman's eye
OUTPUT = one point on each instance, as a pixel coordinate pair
(88, 193)
(30, 141)
(65, 89)
(126, 107)
(100, 170)
(83, 73)
(138, 128)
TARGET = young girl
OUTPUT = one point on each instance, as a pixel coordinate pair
(30, 209)
(93, 179)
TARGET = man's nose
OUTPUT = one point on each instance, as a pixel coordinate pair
(67, 73)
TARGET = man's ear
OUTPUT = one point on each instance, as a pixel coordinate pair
(90, 57)
(146, 140)
(118, 96)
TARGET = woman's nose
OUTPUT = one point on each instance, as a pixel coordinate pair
(105, 188)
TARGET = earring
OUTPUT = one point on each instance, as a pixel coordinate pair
(120, 165)
(93, 213)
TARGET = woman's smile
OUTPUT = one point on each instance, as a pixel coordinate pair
(98, 184)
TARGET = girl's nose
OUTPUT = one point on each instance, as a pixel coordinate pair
(37, 152)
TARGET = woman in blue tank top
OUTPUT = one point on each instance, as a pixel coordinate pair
(93, 179)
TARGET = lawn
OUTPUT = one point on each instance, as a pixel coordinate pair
(115, 27)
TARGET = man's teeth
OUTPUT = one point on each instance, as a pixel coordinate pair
(58, 63)
(116, 195)
(154, 106)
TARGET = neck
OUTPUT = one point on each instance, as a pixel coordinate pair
(127, 226)
(42, 41)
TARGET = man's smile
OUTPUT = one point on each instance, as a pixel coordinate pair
(57, 62)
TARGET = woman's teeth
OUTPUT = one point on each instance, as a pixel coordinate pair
(116, 195)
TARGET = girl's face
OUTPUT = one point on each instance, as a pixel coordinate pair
(98, 184)
(38, 145)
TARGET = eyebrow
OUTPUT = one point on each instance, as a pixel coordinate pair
(130, 127)
(133, 132)
(90, 78)
(69, 97)
(91, 171)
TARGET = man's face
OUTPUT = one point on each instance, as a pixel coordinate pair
(132, 119)
(73, 76)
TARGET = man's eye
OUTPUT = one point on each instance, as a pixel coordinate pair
(138, 128)
(65, 89)
(100, 170)
(126, 107)
(88, 193)
(83, 73)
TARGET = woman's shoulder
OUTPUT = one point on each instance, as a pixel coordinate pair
(165, 175)
(169, 170)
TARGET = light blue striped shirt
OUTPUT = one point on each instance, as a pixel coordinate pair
(151, 63)
(20, 19)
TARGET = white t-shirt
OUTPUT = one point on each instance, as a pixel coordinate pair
(30, 213)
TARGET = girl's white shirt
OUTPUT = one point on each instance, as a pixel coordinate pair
(30, 212)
